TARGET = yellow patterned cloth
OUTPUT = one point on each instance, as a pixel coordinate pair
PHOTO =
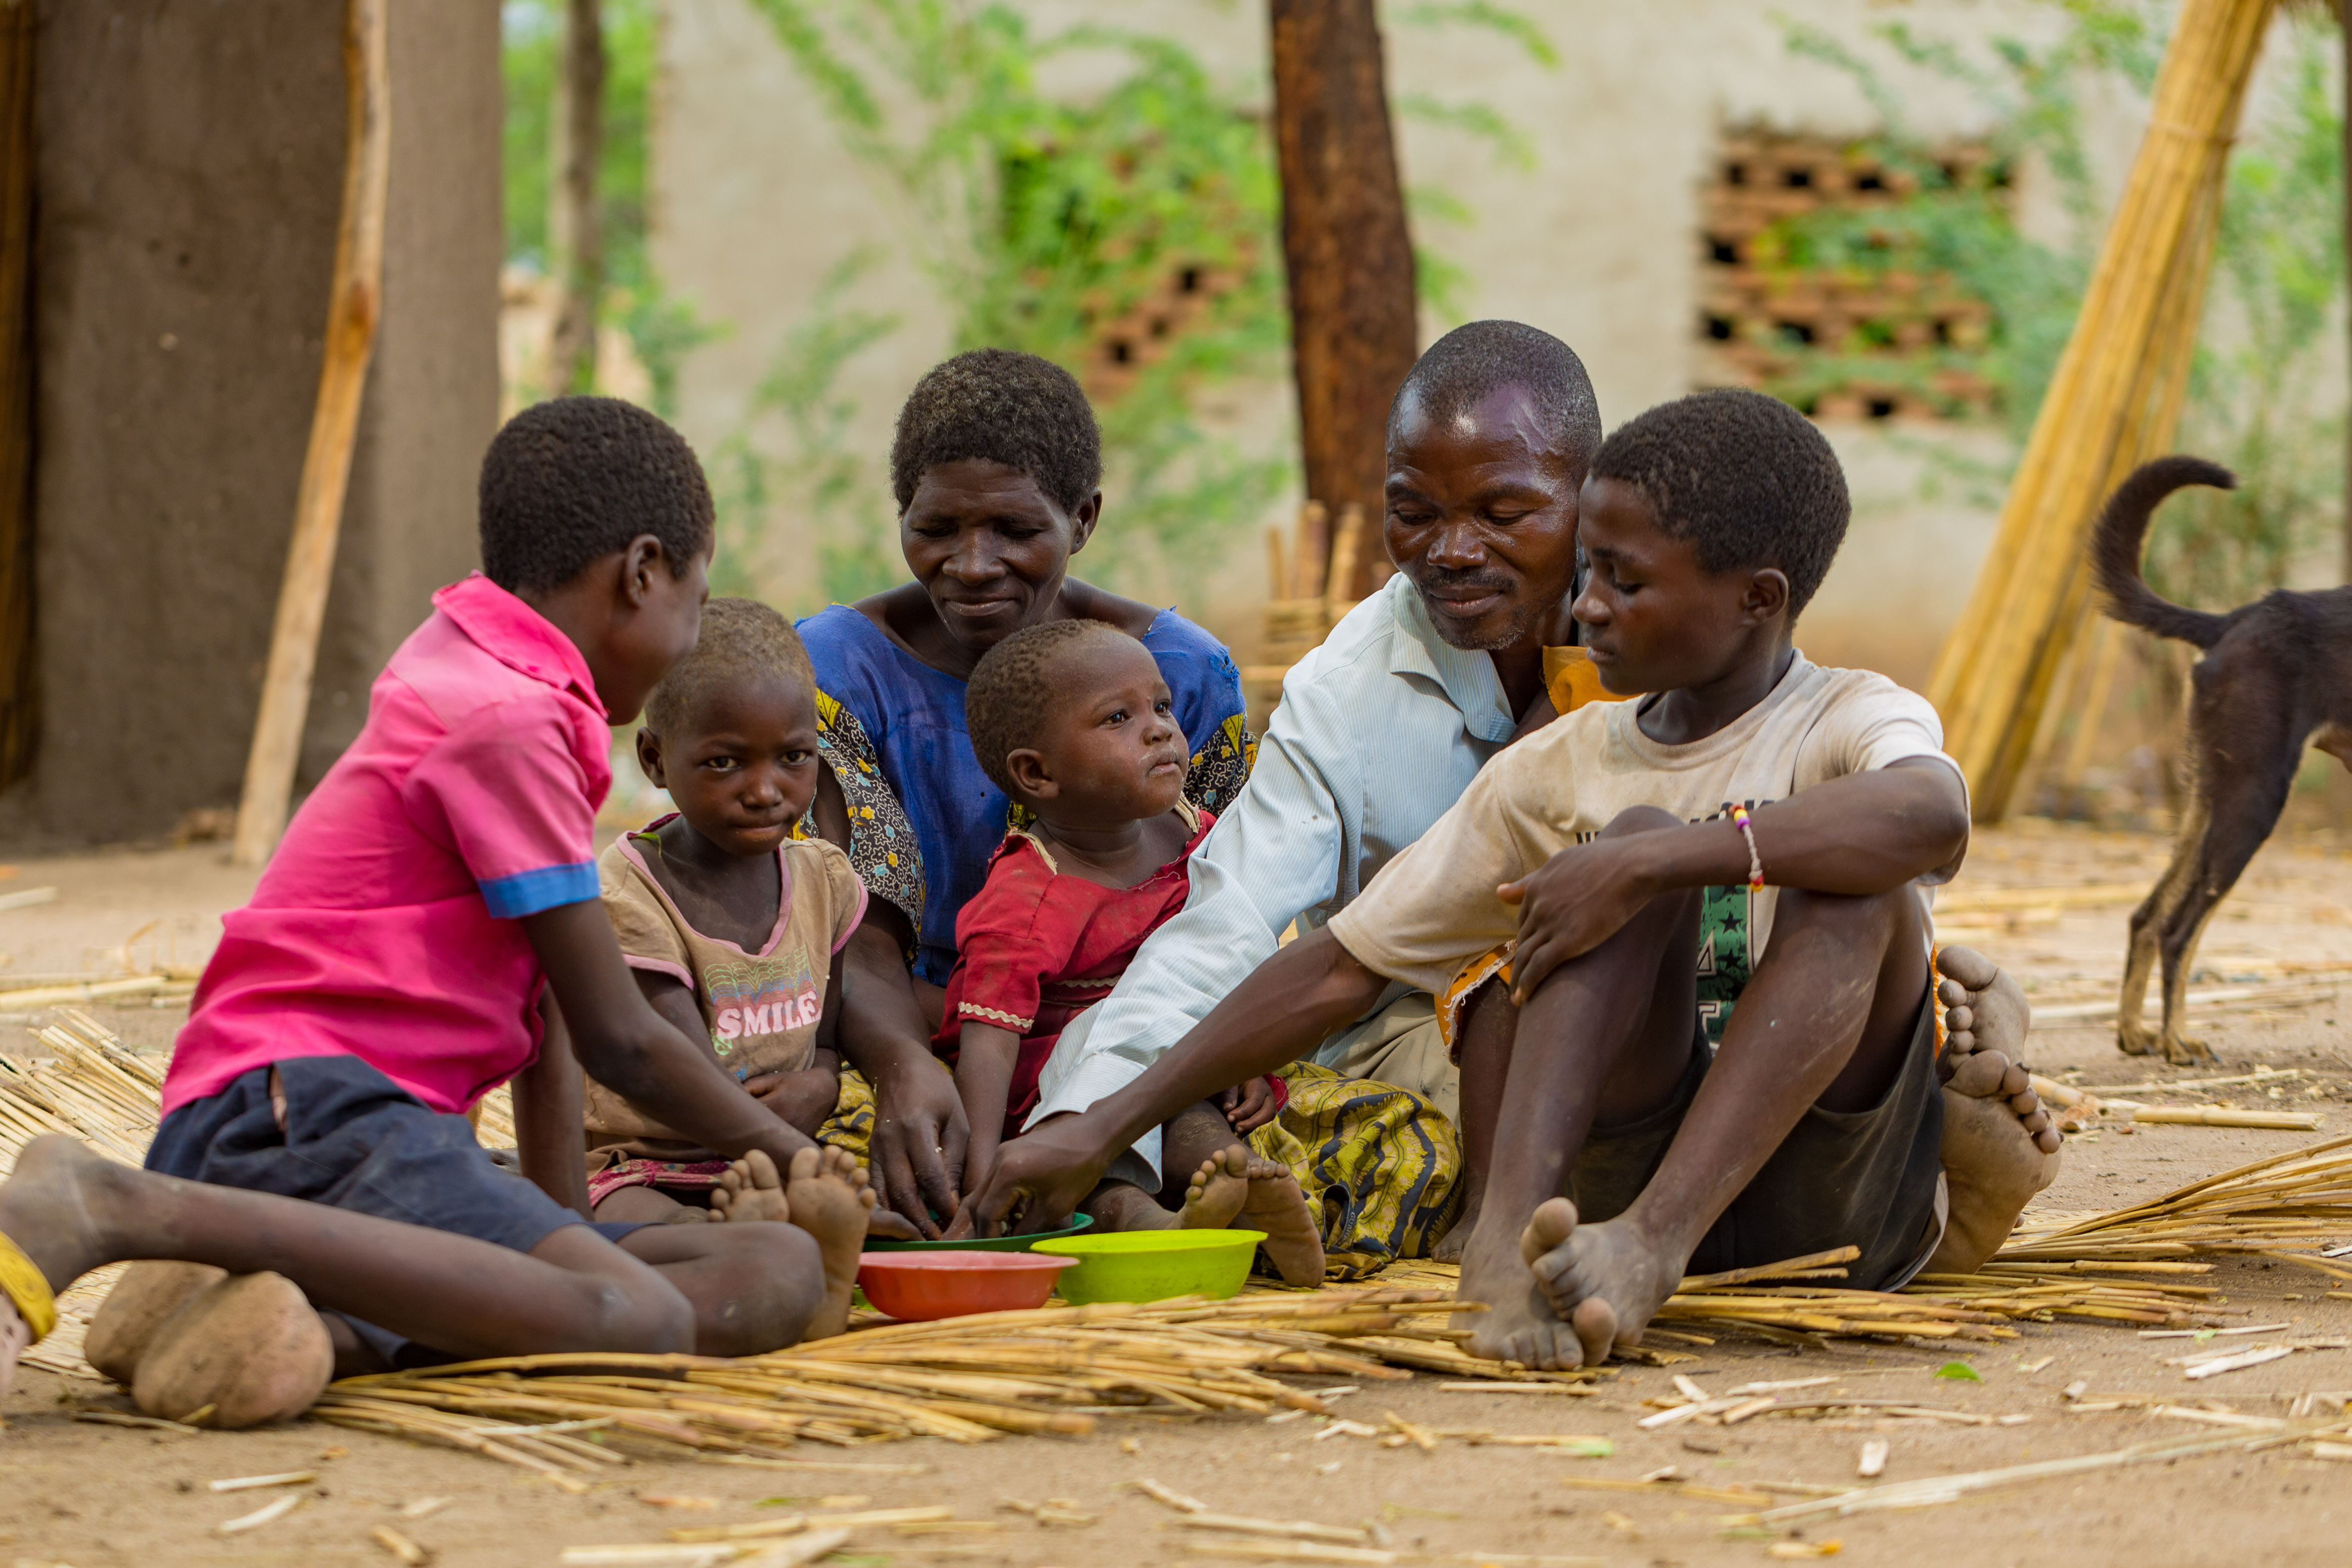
(1376, 1163)
(851, 1125)
(1379, 1163)
(22, 1281)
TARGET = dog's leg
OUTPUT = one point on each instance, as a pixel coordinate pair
(2249, 762)
(2133, 1038)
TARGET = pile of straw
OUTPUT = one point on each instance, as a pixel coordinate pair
(964, 1379)
(2288, 1207)
(92, 1087)
(1054, 1370)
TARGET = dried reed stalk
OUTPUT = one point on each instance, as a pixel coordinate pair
(2286, 1208)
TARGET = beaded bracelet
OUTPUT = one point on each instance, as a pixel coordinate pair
(1746, 826)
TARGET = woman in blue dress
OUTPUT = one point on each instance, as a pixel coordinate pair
(997, 469)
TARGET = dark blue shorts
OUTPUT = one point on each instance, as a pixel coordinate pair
(355, 1141)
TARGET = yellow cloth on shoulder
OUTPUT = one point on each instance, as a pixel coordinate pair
(1571, 680)
(22, 1280)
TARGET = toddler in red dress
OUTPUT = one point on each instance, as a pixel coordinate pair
(1072, 721)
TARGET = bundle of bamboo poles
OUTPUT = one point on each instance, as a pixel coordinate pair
(2288, 1207)
(2113, 403)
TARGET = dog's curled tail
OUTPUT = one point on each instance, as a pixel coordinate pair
(2123, 529)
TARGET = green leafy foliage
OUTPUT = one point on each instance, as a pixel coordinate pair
(662, 329)
(2255, 404)
(1959, 1371)
(1127, 235)
(1130, 233)
(2258, 383)
(1956, 223)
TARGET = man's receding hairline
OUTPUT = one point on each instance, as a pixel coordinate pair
(1409, 410)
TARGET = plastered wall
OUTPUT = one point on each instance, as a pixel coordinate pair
(189, 179)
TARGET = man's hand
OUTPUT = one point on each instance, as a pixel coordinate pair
(1037, 1181)
(803, 1099)
(1573, 903)
(920, 1134)
(1248, 1107)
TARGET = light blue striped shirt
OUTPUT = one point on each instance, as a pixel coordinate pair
(1379, 731)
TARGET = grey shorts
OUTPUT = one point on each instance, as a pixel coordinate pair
(1871, 1179)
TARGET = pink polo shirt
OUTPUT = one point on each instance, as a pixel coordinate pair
(385, 926)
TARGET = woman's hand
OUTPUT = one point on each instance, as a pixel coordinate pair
(920, 1137)
(1249, 1106)
(802, 1100)
(1573, 903)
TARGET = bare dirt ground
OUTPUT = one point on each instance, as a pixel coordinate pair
(88, 1495)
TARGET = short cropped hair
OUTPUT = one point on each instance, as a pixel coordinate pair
(1472, 362)
(741, 641)
(1012, 409)
(574, 479)
(1744, 477)
(1014, 693)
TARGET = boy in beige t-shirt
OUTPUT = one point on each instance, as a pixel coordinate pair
(1627, 1149)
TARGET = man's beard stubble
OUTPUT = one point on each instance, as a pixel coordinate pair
(1515, 630)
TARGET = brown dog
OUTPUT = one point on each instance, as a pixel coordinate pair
(2276, 673)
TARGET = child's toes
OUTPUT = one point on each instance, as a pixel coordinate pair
(806, 1163)
(759, 1171)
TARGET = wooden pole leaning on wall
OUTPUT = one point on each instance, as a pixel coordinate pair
(354, 306)
(2113, 402)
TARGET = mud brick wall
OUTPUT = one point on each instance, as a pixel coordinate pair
(1762, 322)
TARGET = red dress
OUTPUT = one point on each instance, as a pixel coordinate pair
(1035, 948)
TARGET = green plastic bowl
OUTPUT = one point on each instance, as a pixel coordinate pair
(1154, 1265)
(1079, 1223)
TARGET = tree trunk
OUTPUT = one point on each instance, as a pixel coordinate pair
(1354, 334)
(575, 238)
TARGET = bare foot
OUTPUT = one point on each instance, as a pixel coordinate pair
(2000, 1147)
(1220, 1187)
(1985, 1010)
(1123, 1205)
(1451, 1245)
(146, 1295)
(752, 1192)
(15, 1339)
(1518, 1325)
(1604, 1279)
(245, 1351)
(829, 1200)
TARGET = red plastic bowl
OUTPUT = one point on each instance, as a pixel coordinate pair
(920, 1286)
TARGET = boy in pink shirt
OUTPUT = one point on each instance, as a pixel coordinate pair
(434, 892)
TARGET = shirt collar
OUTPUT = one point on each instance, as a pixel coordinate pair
(516, 635)
(1466, 677)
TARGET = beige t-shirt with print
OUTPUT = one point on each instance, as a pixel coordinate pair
(762, 1009)
(1433, 908)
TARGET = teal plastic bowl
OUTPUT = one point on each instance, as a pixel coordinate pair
(1154, 1265)
(1080, 1225)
